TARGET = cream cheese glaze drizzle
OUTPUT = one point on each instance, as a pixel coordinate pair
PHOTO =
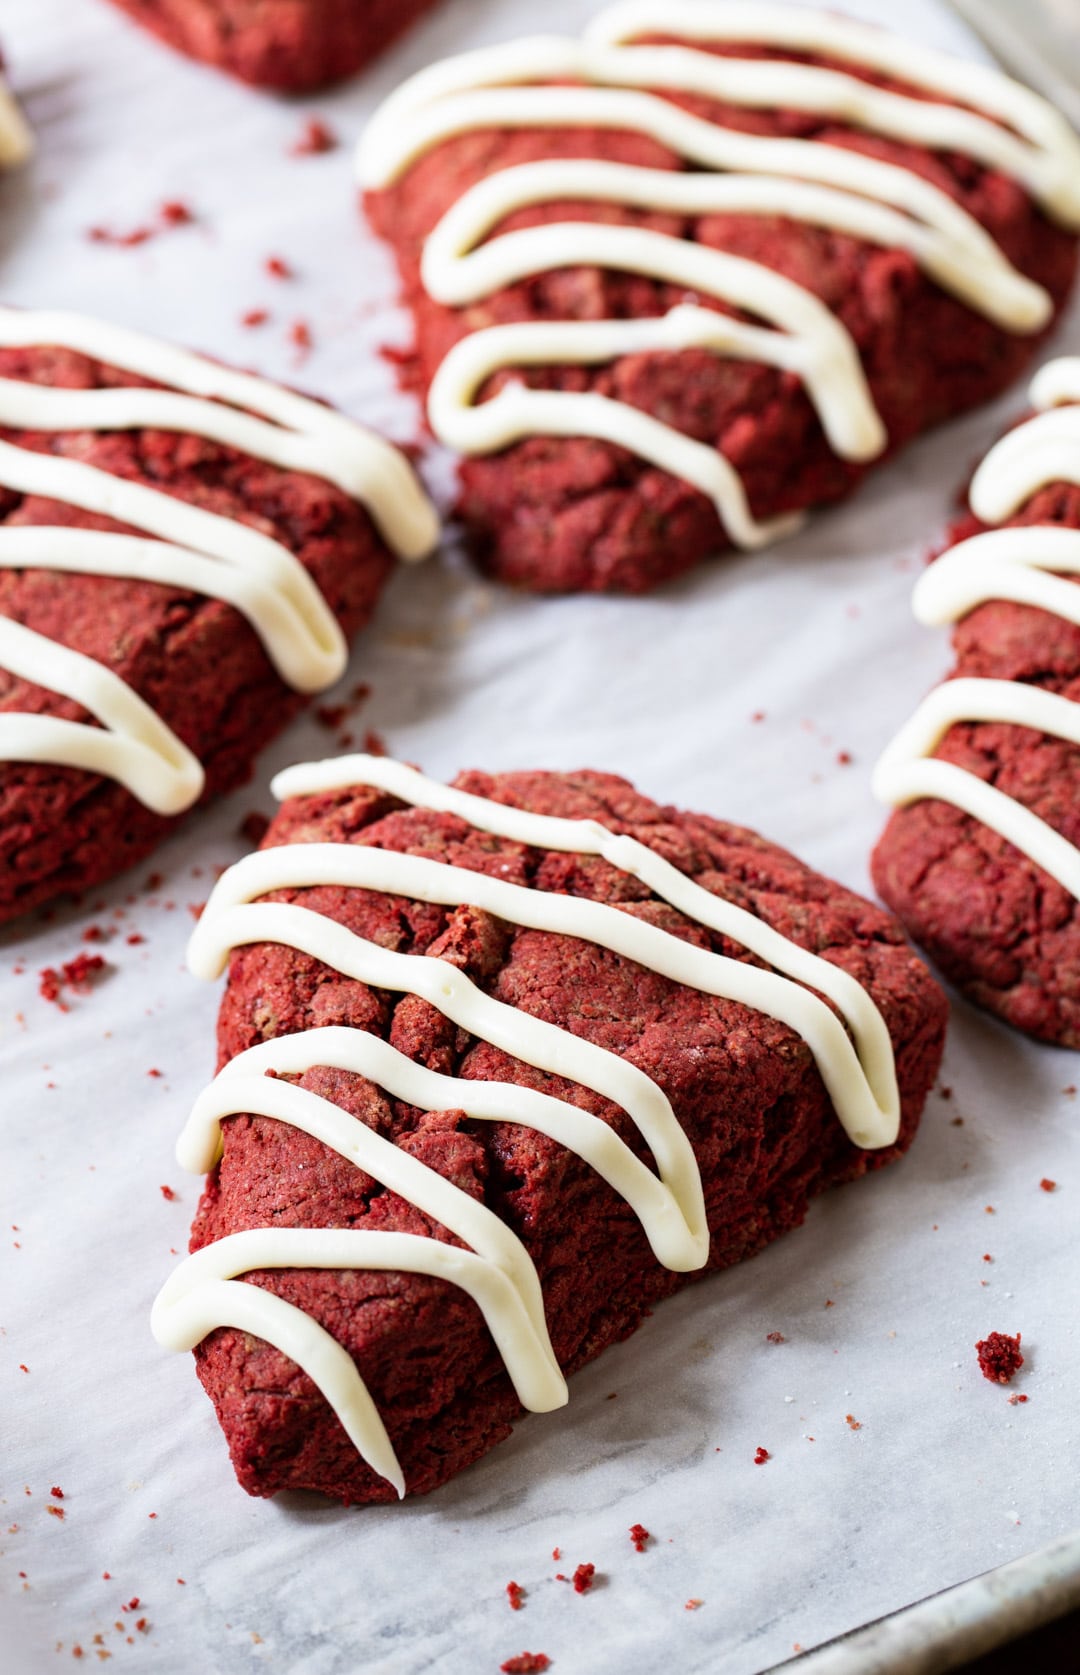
(191, 548)
(620, 88)
(854, 1057)
(1026, 564)
(16, 139)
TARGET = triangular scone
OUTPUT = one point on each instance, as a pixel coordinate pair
(184, 553)
(681, 279)
(982, 858)
(502, 1064)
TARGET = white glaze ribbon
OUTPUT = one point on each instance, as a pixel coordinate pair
(817, 183)
(196, 550)
(16, 138)
(857, 1069)
(1026, 564)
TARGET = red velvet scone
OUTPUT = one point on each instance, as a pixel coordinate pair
(501, 1065)
(745, 254)
(981, 858)
(184, 551)
(292, 46)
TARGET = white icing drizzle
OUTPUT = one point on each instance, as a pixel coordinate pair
(16, 139)
(817, 183)
(857, 1068)
(1026, 564)
(196, 550)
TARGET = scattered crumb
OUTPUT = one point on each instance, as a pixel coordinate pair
(526, 1663)
(852, 1423)
(639, 1535)
(775, 1337)
(1047, 1184)
(583, 1578)
(515, 1593)
(999, 1357)
(761, 1455)
(76, 974)
(315, 137)
(175, 213)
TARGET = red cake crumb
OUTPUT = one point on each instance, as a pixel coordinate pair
(174, 213)
(999, 1357)
(1014, 1399)
(852, 1423)
(57, 1494)
(169, 1195)
(761, 1455)
(1047, 1184)
(134, 939)
(775, 1337)
(74, 974)
(278, 268)
(122, 241)
(255, 317)
(583, 1578)
(55, 1511)
(639, 1535)
(556, 1553)
(300, 335)
(515, 1593)
(693, 1604)
(526, 1663)
(315, 137)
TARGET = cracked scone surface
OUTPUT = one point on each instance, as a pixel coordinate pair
(743, 1086)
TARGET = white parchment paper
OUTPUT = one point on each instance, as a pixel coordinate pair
(880, 1297)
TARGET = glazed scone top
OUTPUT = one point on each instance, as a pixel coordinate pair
(821, 184)
(1018, 564)
(180, 544)
(848, 1039)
